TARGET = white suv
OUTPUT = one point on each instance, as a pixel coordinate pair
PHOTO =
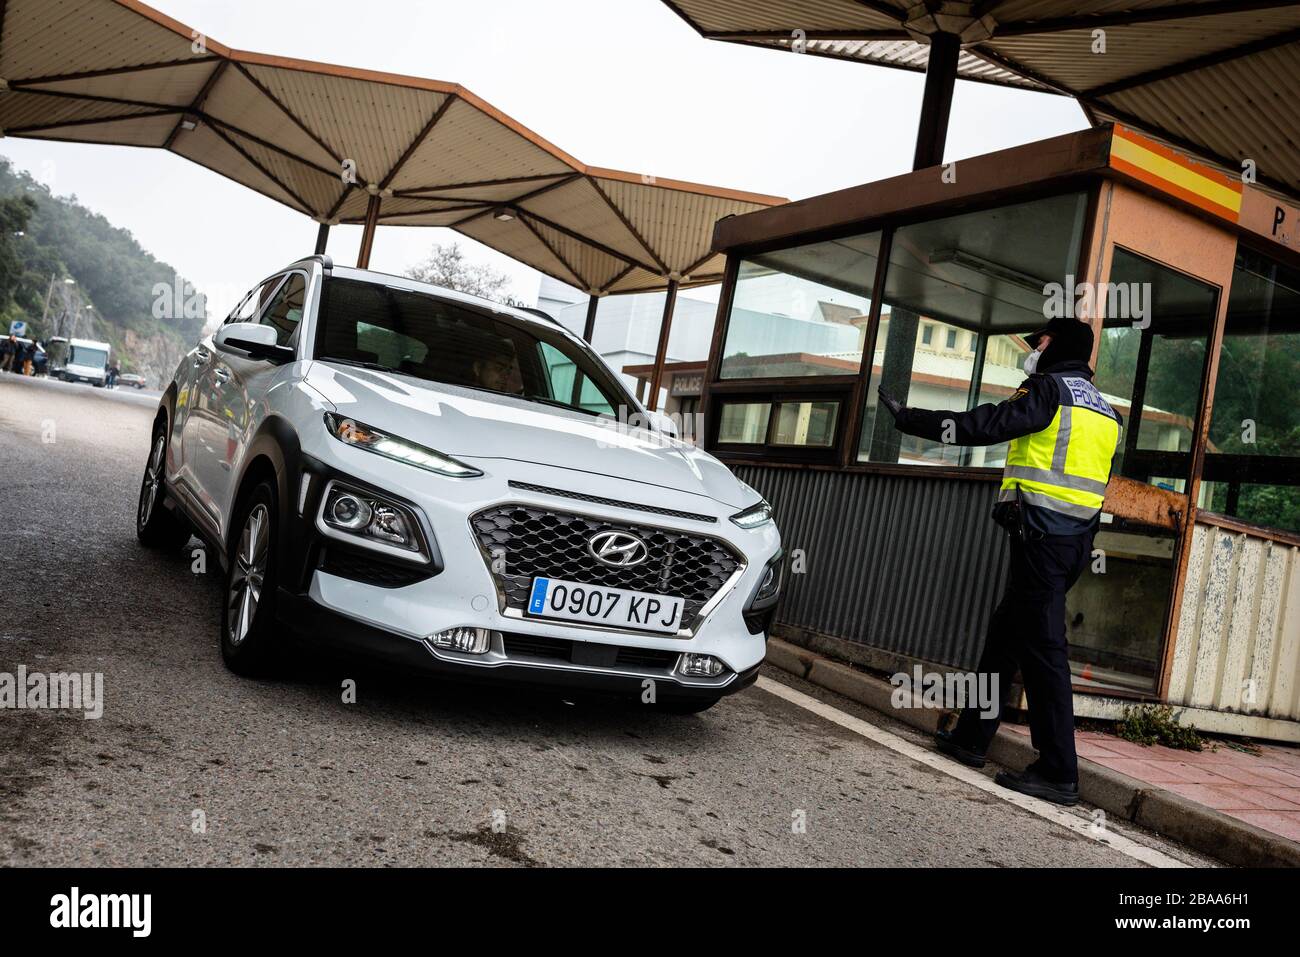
(394, 469)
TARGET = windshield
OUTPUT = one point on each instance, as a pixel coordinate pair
(86, 356)
(419, 335)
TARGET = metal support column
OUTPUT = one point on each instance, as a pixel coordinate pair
(661, 352)
(322, 238)
(368, 234)
(589, 329)
(936, 104)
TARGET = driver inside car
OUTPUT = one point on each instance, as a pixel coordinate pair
(499, 369)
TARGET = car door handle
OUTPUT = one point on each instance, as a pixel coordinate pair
(221, 374)
(201, 357)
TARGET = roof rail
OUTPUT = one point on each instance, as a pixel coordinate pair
(540, 314)
(327, 263)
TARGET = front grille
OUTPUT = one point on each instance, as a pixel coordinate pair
(616, 503)
(584, 653)
(536, 542)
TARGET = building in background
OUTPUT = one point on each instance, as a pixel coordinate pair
(627, 331)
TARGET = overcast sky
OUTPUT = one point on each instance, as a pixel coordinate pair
(623, 84)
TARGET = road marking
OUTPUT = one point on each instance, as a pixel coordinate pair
(954, 769)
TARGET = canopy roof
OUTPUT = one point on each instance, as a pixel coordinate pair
(323, 139)
(1216, 77)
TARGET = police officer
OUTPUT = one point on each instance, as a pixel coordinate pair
(1063, 437)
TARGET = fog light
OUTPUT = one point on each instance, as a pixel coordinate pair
(469, 641)
(348, 511)
(700, 666)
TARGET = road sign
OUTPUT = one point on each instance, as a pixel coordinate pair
(18, 327)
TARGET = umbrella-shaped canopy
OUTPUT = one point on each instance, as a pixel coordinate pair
(346, 145)
(1214, 77)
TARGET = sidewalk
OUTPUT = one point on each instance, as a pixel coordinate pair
(1263, 790)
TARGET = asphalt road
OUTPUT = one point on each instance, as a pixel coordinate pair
(415, 772)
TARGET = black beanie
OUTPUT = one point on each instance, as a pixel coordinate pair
(1071, 339)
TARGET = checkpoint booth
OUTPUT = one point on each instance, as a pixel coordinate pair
(926, 283)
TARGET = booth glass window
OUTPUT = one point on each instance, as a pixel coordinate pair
(1150, 364)
(801, 312)
(960, 293)
(744, 423)
(1150, 367)
(1252, 464)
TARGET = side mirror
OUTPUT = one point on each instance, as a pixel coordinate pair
(662, 423)
(257, 340)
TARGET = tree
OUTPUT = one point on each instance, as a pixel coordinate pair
(15, 217)
(447, 267)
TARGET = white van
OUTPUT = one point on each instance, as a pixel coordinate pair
(87, 361)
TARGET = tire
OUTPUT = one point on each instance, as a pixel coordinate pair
(156, 525)
(687, 705)
(249, 644)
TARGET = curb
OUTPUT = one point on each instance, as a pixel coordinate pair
(1168, 814)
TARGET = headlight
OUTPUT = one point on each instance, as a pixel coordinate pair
(754, 516)
(353, 515)
(351, 432)
(771, 582)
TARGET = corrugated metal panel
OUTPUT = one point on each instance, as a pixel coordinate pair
(316, 189)
(580, 206)
(370, 123)
(486, 193)
(1068, 57)
(19, 110)
(39, 39)
(236, 100)
(724, 15)
(597, 269)
(141, 131)
(1242, 108)
(908, 564)
(469, 146)
(1238, 645)
(519, 242)
(1246, 109)
(207, 149)
(293, 123)
(677, 224)
(170, 86)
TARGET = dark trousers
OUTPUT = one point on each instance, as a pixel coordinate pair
(1028, 630)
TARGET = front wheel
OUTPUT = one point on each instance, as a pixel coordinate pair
(157, 526)
(248, 639)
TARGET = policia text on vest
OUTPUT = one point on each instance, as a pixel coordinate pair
(1063, 436)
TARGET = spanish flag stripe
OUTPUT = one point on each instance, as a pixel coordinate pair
(1166, 170)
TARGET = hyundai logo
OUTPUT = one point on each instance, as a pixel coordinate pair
(618, 549)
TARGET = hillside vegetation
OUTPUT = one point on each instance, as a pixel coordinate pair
(49, 237)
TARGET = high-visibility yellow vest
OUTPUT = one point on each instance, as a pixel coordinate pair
(1065, 467)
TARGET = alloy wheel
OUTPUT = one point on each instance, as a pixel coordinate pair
(152, 480)
(248, 573)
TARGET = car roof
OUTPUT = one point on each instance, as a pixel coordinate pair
(525, 314)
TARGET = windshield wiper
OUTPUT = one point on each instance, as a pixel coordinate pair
(534, 397)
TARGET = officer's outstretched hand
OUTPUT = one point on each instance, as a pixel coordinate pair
(889, 402)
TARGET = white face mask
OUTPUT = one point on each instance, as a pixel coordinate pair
(1031, 362)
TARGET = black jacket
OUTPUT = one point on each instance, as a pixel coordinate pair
(1030, 409)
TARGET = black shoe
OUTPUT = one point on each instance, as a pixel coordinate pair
(947, 744)
(1032, 783)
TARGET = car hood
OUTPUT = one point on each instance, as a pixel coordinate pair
(468, 423)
